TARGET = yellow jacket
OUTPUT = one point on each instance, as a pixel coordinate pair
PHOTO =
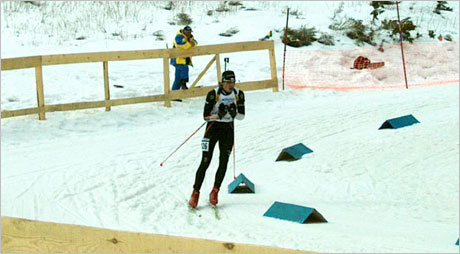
(182, 42)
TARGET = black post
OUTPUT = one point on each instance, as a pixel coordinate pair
(285, 42)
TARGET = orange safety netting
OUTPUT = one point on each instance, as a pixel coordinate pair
(427, 64)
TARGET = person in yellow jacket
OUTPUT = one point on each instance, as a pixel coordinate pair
(184, 40)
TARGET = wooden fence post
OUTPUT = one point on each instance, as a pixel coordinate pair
(271, 52)
(40, 93)
(105, 66)
(166, 81)
(219, 72)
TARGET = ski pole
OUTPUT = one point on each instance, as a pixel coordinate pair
(285, 42)
(161, 164)
(234, 151)
(234, 175)
(226, 60)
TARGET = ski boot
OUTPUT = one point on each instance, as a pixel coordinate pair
(183, 84)
(194, 199)
(213, 196)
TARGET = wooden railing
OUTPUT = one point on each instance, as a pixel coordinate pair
(38, 61)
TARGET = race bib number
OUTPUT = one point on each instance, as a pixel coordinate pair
(205, 145)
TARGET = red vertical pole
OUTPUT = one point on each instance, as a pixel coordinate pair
(401, 43)
(285, 42)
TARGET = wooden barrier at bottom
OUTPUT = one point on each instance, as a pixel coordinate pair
(28, 236)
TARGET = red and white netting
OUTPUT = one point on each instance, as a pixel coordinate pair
(426, 64)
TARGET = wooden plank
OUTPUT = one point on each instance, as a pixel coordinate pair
(220, 48)
(40, 93)
(203, 72)
(219, 72)
(75, 106)
(156, 53)
(34, 61)
(100, 104)
(191, 93)
(27, 236)
(167, 89)
(202, 91)
(256, 85)
(105, 66)
(19, 112)
(143, 99)
(103, 56)
(21, 62)
(274, 75)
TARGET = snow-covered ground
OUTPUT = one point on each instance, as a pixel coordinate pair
(380, 190)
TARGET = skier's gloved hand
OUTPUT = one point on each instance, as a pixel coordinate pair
(232, 110)
(222, 110)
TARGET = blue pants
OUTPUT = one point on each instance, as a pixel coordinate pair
(181, 73)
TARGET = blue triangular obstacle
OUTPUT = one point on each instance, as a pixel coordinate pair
(293, 153)
(457, 242)
(295, 213)
(241, 185)
(399, 122)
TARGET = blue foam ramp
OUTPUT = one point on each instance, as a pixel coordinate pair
(295, 213)
(399, 122)
(293, 153)
(457, 242)
(241, 185)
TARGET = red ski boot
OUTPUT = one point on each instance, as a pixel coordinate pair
(194, 199)
(213, 196)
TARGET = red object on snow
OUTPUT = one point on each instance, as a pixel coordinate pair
(376, 65)
(362, 62)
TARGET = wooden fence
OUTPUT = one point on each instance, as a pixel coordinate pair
(38, 61)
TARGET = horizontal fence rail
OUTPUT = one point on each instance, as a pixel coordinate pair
(21, 63)
(104, 57)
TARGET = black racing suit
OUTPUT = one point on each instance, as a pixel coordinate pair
(221, 132)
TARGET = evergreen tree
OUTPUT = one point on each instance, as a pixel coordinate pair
(441, 6)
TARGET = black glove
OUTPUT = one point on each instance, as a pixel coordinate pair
(232, 110)
(222, 110)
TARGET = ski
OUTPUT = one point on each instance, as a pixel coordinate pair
(216, 211)
(195, 210)
(192, 210)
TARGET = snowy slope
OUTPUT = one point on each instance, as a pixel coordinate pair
(380, 190)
